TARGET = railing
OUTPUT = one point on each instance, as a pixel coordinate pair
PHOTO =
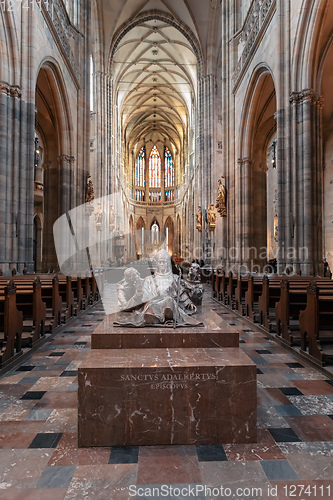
(255, 23)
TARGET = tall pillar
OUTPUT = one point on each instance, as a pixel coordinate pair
(306, 125)
(66, 170)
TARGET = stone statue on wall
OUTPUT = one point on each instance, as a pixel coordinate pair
(221, 200)
(90, 196)
(89, 190)
(193, 284)
(99, 217)
(211, 217)
(111, 219)
(199, 219)
(164, 295)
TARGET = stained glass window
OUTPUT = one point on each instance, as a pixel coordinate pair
(169, 195)
(154, 168)
(169, 169)
(155, 196)
(140, 168)
(139, 195)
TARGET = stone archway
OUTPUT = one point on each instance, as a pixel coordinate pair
(258, 186)
(327, 148)
(52, 123)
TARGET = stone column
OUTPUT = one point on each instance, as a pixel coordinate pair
(307, 106)
(247, 210)
(65, 176)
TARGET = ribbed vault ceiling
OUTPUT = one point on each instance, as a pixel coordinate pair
(154, 65)
(154, 70)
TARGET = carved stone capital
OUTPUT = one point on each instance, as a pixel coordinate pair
(246, 160)
(15, 91)
(10, 90)
(65, 159)
(46, 165)
(306, 95)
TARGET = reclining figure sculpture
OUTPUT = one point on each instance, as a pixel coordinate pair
(160, 299)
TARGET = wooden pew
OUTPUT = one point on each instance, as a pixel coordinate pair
(240, 291)
(214, 283)
(231, 287)
(269, 296)
(316, 323)
(52, 299)
(86, 290)
(254, 290)
(93, 286)
(50, 295)
(223, 283)
(29, 301)
(67, 297)
(78, 294)
(293, 298)
(11, 324)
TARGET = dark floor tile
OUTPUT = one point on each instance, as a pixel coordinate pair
(55, 354)
(69, 331)
(331, 416)
(242, 342)
(25, 368)
(46, 440)
(263, 351)
(329, 382)
(69, 373)
(56, 477)
(278, 470)
(86, 325)
(81, 343)
(246, 331)
(211, 453)
(294, 365)
(288, 410)
(124, 455)
(28, 380)
(284, 435)
(33, 395)
(259, 372)
(232, 324)
(290, 391)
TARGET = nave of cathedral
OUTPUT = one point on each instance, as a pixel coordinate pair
(199, 128)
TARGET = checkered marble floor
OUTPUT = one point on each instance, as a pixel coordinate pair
(40, 459)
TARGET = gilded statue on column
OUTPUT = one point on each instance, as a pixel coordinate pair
(199, 219)
(221, 198)
(211, 217)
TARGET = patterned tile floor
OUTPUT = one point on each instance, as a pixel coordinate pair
(39, 457)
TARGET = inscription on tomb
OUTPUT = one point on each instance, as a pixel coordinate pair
(168, 380)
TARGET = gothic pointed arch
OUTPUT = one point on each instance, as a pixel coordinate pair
(53, 124)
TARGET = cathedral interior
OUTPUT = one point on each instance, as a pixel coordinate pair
(200, 127)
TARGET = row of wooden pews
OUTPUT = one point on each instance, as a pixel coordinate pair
(32, 305)
(299, 310)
